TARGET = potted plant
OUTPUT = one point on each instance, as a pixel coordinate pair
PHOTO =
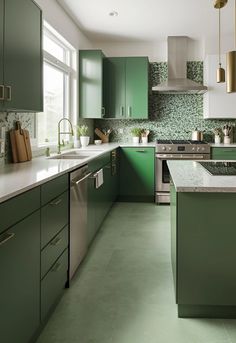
(217, 131)
(136, 132)
(82, 132)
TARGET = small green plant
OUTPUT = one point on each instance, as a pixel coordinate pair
(136, 132)
(82, 130)
(217, 131)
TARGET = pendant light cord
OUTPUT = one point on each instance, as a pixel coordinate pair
(220, 38)
(235, 24)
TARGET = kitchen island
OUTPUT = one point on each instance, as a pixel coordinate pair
(203, 241)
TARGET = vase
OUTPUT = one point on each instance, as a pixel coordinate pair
(144, 140)
(84, 140)
(135, 140)
(217, 139)
(226, 140)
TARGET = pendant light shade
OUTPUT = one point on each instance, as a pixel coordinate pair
(231, 71)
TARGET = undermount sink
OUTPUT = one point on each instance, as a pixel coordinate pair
(75, 155)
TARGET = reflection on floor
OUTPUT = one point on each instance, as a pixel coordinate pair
(124, 292)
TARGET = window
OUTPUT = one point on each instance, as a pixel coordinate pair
(59, 86)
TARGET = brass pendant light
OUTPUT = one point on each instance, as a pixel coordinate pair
(220, 73)
(231, 62)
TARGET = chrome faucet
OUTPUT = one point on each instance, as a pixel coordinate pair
(63, 133)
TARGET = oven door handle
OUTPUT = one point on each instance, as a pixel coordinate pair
(180, 157)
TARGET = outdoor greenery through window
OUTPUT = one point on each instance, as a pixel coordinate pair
(59, 86)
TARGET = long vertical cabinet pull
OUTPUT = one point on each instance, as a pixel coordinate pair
(121, 111)
(8, 93)
(129, 111)
(2, 92)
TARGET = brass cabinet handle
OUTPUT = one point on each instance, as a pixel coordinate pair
(9, 93)
(2, 94)
(6, 237)
(121, 111)
(56, 241)
(57, 267)
(56, 202)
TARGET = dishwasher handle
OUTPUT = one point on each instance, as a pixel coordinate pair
(77, 182)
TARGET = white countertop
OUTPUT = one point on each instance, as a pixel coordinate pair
(191, 176)
(20, 177)
(222, 145)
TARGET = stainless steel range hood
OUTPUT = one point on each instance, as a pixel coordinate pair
(177, 82)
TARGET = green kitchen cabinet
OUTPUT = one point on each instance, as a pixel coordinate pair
(126, 87)
(91, 84)
(137, 170)
(223, 153)
(20, 280)
(21, 56)
(114, 87)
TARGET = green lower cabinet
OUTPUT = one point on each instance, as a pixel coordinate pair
(223, 153)
(137, 171)
(20, 281)
(53, 284)
(204, 254)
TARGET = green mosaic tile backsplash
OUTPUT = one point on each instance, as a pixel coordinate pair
(170, 116)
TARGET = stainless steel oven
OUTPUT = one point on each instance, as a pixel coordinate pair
(175, 150)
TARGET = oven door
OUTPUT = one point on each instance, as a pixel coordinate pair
(162, 175)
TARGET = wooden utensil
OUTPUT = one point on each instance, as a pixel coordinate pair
(20, 144)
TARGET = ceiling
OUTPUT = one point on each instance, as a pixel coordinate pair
(148, 20)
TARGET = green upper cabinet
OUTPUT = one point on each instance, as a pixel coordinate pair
(126, 87)
(114, 87)
(21, 55)
(137, 87)
(137, 174)
(223, 153)
(91, 84)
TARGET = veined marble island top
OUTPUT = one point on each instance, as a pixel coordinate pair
(191, 176)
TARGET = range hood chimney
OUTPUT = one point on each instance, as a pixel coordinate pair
(177, 82)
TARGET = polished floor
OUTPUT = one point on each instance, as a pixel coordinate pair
(124, 292)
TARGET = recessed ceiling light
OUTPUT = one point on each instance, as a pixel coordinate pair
(113, 14)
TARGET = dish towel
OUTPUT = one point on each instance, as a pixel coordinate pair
(99, 178)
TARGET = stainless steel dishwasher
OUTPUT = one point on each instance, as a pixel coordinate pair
(78, 217)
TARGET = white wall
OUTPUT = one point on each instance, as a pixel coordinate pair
(156, 51)
(60, 21)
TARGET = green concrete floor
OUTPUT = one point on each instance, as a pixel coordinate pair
(124, 292)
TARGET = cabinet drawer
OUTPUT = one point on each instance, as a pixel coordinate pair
(17, 208)
(54, 216)
(99, 162)
(53, 284)
(53, 250)
(52, 189)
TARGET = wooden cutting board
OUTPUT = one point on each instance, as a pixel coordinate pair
(20, 144)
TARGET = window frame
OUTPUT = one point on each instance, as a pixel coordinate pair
(69, 69)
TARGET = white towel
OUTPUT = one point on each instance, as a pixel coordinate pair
(99, 178)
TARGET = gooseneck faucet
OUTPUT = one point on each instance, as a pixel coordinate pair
(63, 133)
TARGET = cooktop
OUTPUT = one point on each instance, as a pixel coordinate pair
(220, 168)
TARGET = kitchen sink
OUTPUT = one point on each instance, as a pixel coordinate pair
(75, 155)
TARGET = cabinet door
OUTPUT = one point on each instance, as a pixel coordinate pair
(23, 56)
(20, 280)
(114, 87)
(223, 153)
(91, 83)
(1, 51)
(137, 173)
(137, 87)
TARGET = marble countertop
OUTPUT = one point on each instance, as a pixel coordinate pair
(191, 176)
(222, 145)
(20, 177)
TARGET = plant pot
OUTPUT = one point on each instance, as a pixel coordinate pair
(77, 143)
(84, 140)
(217, 139)
(227, 140)
(135, 140)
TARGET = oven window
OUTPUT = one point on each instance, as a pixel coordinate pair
(165, 172)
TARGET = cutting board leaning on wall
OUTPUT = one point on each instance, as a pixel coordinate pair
(20, 144)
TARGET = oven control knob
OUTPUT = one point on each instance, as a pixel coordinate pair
(169, 148)
(163, 148)
(203, 149)
(198, 149)
(193, 149)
